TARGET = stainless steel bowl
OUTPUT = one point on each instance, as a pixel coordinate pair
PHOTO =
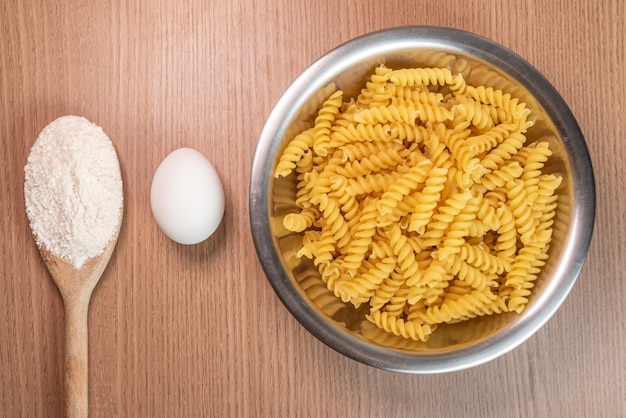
(342, 327)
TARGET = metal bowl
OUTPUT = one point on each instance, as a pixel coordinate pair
(342, 327)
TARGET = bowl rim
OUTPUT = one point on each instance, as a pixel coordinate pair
(374, 44)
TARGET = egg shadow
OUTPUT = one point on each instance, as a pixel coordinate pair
(208, 251)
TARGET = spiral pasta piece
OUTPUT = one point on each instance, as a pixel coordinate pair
(375, 162)
(483, 260)
(436, 229)
(456, 289)
(493, 97)
(407, 131)
(298, 222)
(409, 96)
(462, 152)
(358, 150)
(322, 249)
(371, 183)
(458, 84)
(437, 151)
(544, 206)
(427, 112)
(386, 114)
(363, 287)
(380, 247)
(398, 303)
(383, 338)
(374, 95)
(405, 184)
(323, 122)
(474, 112)
(506, 243)
(459, 230)
(404, 253)
(399, 327)
(474, 277)
(487, 213)
(329, 207)
(316, 183)
(361, 240)
(435, 279)
(492, 138)
(521, 211)
(374, 91)
(427, 97)
(427, 200)
(534, 164)
(503, 152)
(501, 176)
(359, 132)
(412, 77)
(331, 273)
(477, 303)
(305, 163)
(389, 289)
(527, 260)
(405, 207)
(348, 204)
(524, 271)
(518, 298)
(298, 146)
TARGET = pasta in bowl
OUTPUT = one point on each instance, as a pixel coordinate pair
(414, 200)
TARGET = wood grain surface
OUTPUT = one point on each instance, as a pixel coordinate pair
(184, 331)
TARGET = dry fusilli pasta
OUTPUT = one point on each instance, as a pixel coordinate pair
(421, 199)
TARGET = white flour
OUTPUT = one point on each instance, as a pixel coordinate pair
(73, 189)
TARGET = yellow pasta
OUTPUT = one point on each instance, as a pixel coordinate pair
(384, 159)
(298, 222)
(489, 96)
(474, 112)
(389, 295)
(363, 287)
(359, 132)
(294, 152)
(386, 114)
(323, 122)
(401, 188)
(361, 240)
(427, 200)
(400, 327)
(421, 199)
(411, 77)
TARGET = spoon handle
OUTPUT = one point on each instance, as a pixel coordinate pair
(76, 358)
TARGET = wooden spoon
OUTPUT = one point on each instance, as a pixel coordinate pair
(76, 286)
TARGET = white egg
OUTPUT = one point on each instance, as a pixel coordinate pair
(187, 197)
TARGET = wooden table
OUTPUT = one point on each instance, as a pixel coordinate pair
(181, 331)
